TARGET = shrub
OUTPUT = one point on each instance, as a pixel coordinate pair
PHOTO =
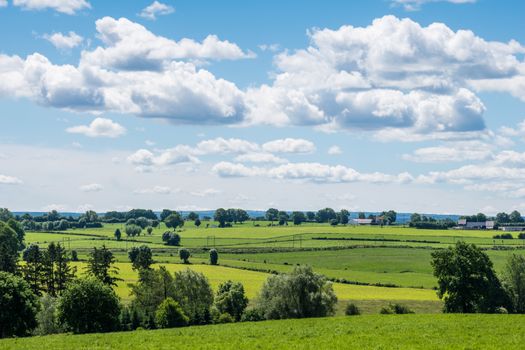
(74, 255)
(521, 235)
(18, 306)
(503, 236)
(47, 317)
(171, 238)
(352, 310)
(231, 299)
(252, 315)
(88, 306)
(300, 294)
(398, 309)
(169, 314)
(501, 310)
(225, 318)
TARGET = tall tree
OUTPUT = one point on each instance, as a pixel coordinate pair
(141, 257)
(174, 221)
(194, 294)
(272, 214)
(514, 281)
(221, 215)
(33, 269)
(57, 271)
(466, 280)
(8, 248)
(19, 230)
(101, 265)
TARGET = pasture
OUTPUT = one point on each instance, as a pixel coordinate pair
(445, 331)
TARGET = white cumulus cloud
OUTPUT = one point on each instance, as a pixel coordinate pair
(69, 7)
(289, 145)
(9, 180)
(156, 9)
(64, 41)
(334, 150)
(99, 127)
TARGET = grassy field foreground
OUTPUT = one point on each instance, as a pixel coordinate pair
(370, 332)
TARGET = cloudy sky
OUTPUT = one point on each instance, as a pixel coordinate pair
(411, 105)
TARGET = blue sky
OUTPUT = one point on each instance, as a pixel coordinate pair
(412, 105)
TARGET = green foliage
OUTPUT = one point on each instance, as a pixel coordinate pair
(174, 220)
(466, 280)
(153, 288)
(169, 314)
(214, 256)
(47, 316)
(89, 306)
(231, 299)
(171, 238)
(141, 257)
(397, 309)
(225, 318)
(352, 310)
(19, 230)
(514, 281)
(184, 255)
(118, 234)
(8, 248)
(57, 270)
(101, 266)
(253, 314)
(18, 306)
(132, 230)
(302, 293)
(33, 269)
(193, 292)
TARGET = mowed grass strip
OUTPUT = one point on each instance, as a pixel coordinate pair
(357, 332)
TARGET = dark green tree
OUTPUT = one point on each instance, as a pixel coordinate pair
(466, 280)
(18, 306)
(231, 299)
(132, 230)
(101, 266)
(515, 217)
(33, 269)
(57, 270)
(272, 214)
(298, 217)
(165, 213)
(184, 255)
(8, 248)
(19, 230)
(193, 216)
(141, 257)
(221, 215)
(89, 306)
(198, 222)
(214, 256)
(171, 238)
(118, 234)
(174, 221)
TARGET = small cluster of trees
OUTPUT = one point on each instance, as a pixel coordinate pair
(226, 217)
(468, 283)
(428, 222)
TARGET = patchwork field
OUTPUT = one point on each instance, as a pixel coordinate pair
(359, 332)
(366, 259)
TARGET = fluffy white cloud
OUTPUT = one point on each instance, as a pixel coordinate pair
(99, 127)
(156, 190)
(94, 187)
(453, 152)
(334, 150)
(391, 74)
(156, 9)
(9, 180)
(314, 172)
(289, 145)
(415, 5)
(222, 146)
(259, 157)
(64, 41)
(69, 7)
(206, 192)
(145, 160)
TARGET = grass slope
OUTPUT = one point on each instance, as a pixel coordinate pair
(360, 332)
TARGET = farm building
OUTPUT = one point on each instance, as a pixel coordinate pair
(511, 228)
(362, 221)
(475, 225)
